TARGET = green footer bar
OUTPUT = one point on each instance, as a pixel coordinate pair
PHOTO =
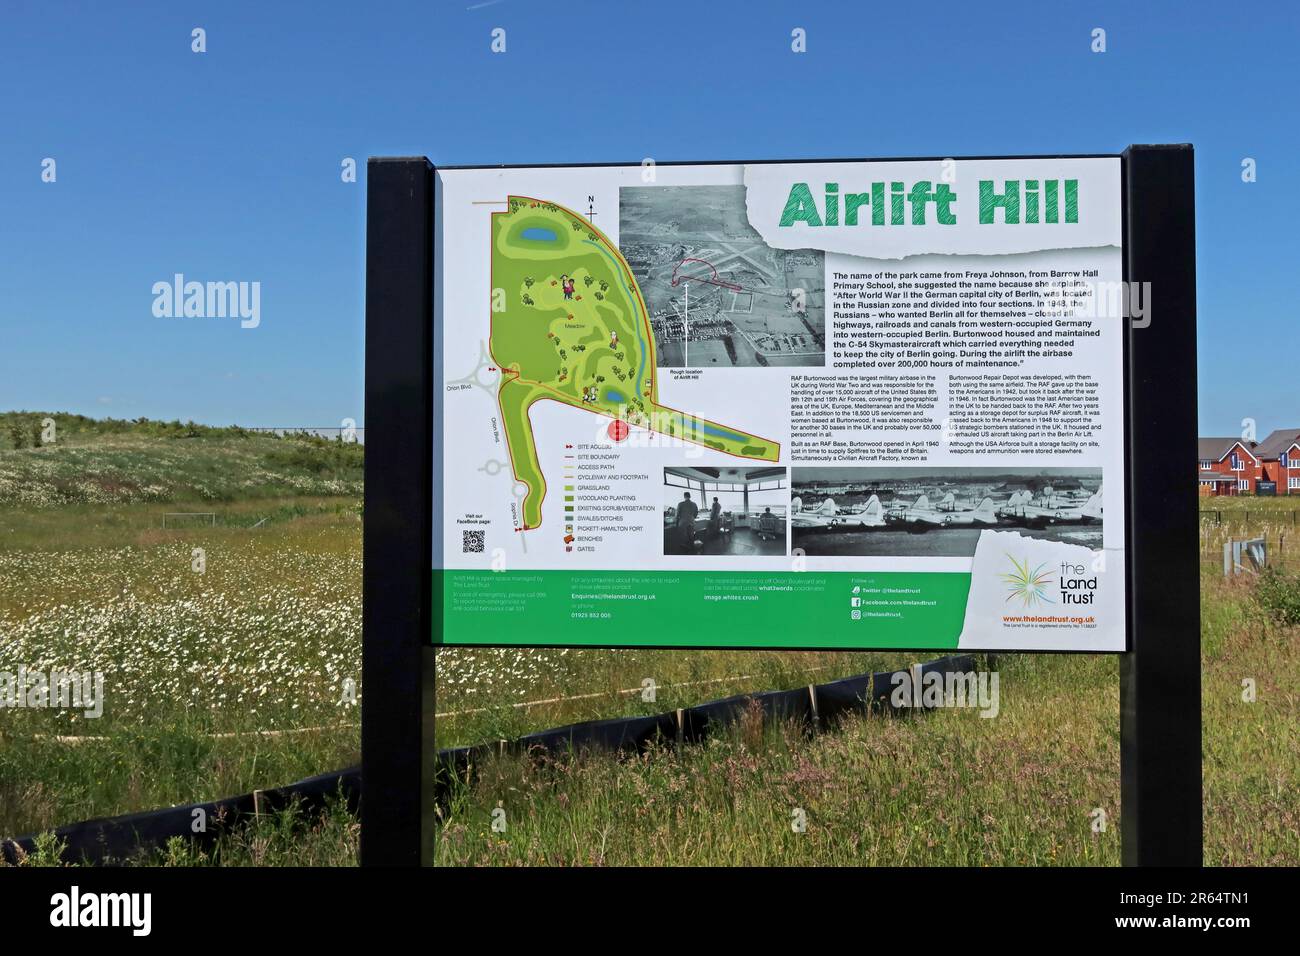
(790, 609)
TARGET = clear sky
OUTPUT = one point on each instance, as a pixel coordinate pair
(226, 164)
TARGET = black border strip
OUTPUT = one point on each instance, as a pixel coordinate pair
(783, 162)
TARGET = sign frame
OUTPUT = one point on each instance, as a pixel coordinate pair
(1159, 670)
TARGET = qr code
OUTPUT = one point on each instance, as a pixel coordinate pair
(472, 542)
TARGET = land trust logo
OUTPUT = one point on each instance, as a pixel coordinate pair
(1029, 585)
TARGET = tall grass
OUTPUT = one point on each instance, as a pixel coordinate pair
(201, 667)
(948, 788)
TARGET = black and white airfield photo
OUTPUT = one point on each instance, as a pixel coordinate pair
(718, 296)
(939, 512)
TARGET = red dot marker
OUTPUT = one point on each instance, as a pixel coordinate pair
(617, 430)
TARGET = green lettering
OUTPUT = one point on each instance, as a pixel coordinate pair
(943, 198)
(852, 202)
(1009, 201)
(918, 197)
(800, 207)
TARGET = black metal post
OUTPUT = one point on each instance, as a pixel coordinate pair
(1160, 676)
(397, 656)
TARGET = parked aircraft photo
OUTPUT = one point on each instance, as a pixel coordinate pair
(947, 513)
(828, 516)
(1051, 509)
(983, 513)
(939, 512)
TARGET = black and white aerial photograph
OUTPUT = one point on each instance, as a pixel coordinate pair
(939, 512)
(718, 296)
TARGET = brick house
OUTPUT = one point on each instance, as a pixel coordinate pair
(1279, 454)
(1227, 466)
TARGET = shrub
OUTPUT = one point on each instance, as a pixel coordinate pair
(1278, 593)
(318, 456)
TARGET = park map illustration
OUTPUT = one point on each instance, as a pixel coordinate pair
(569, 324)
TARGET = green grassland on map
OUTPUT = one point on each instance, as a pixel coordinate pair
(592, 350)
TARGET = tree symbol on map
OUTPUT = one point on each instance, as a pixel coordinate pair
(574, 329)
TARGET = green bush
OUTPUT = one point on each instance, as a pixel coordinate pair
(1278, 593)
(318, 456)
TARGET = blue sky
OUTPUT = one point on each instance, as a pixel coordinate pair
(225, 165)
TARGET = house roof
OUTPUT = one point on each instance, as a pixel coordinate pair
(1278, 441)
(1216, 449)
(1214, 476)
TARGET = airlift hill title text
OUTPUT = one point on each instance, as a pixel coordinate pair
(1055, 202)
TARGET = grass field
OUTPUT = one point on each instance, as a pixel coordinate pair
(236, 678)
(195, 665)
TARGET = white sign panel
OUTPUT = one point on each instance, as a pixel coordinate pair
(856, 404)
